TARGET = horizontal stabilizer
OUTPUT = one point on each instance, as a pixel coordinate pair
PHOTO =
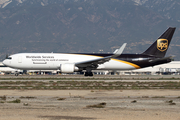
(163, 59)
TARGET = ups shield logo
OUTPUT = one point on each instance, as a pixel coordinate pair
(162, 44)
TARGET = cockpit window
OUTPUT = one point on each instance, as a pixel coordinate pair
(9, 58)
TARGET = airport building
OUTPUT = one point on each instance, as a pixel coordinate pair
(164, 69)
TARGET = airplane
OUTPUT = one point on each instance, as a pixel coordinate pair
(72, 62)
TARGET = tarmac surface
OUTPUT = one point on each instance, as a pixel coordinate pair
(113, 78)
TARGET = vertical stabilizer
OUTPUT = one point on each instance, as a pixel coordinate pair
(160, 46)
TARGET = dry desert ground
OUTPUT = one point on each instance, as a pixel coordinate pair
(82, 105)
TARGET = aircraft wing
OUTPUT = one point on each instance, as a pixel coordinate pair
(95, 62)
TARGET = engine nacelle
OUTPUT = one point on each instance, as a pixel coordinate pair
(67, 68)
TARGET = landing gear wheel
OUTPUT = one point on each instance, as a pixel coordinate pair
(16, 74)
(88, 74)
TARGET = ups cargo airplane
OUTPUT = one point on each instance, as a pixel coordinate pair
(71, 62)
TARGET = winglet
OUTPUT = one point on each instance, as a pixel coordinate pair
(119, 51)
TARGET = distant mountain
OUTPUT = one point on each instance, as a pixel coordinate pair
(168, 8)
(81, 26)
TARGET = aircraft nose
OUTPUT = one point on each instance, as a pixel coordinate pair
(5, 62)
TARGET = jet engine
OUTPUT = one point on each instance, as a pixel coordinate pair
(68, 68)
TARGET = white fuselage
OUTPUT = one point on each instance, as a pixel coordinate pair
(52, 61)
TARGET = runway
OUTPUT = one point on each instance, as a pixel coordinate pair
(112, 78)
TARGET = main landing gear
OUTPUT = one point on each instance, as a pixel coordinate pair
(88, 72)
